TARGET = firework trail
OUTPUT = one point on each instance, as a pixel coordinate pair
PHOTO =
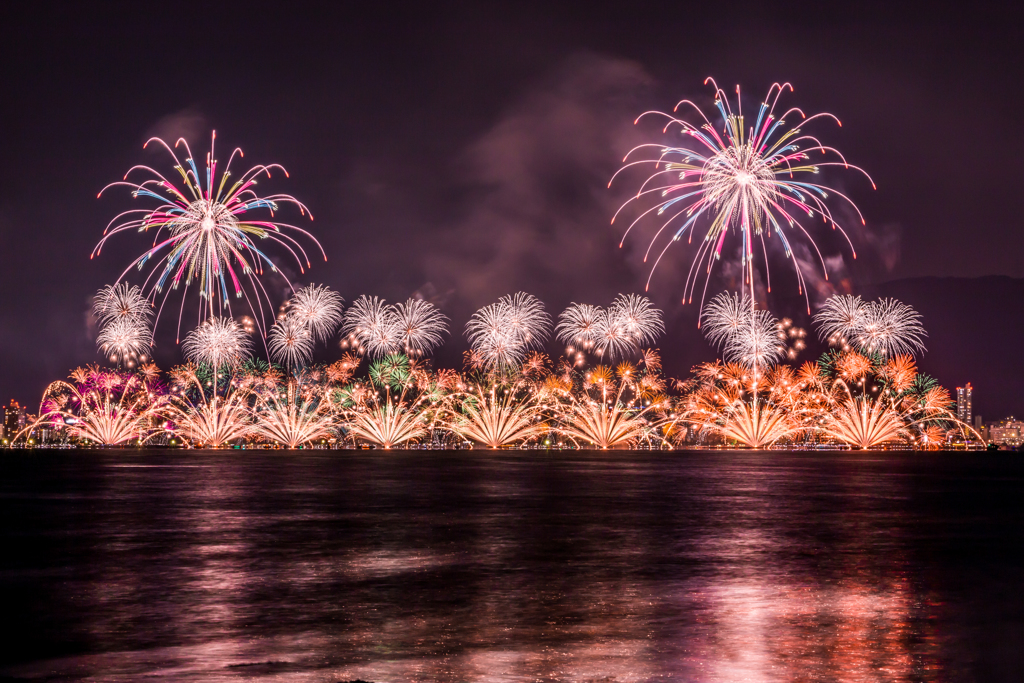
(756, 181)
(205, 229)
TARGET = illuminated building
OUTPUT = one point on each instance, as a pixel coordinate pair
(1006, 432)
(963, 403)
(14, 420)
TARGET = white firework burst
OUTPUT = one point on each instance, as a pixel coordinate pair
(887, 326)
(318, 308)
(580, 325)
(217, 342)
(891, 328)
(373, 325)
(121, 301)
(290, 343)
(492, 340)
(638, 319)
(422, 327)
(744, 334)
(125, 340)
(723, 316)
(841, 319)
(756, 344)
(503, 332)
(529, 323)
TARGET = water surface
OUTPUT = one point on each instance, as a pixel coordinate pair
(512, 566)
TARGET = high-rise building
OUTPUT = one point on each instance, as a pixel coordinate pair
(14, 420)
(963, 404)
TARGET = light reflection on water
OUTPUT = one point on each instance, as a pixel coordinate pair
(511, 566)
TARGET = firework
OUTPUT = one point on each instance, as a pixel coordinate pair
(613, 409)
(637, 317)
(756, 181)
(605, 426)
(107, 408)
(217, 342)
(372, 327)
(528, 322)
(422, 327)
(121, 301)
(125, 340)
(500, 415)
(580, 326)
(754, 423)
(723, 317)
(840, 319)
(290, 343)
(501, 334)
(891, 328)
(864, 422)
(291, 417)
(205, 229)
(757, 344)
(388, 421)
(318, 309)
(887, 326)
(746, 335)
(212, 422)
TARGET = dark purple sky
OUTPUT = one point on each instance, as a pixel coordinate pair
(465, 153)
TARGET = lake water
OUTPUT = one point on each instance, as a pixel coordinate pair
(512, 566)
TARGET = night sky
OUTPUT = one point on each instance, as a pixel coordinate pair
(463, 154)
